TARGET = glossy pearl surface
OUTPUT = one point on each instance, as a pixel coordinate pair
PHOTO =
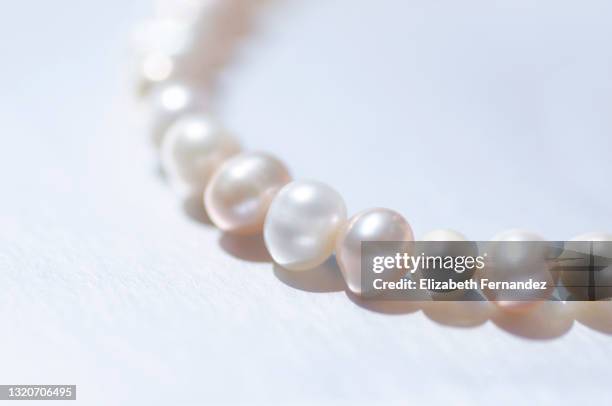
(302, 223)
(169, 102)
(193, 148)
(370, 225)
(239, 194)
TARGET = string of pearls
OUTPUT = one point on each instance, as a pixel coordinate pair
(303, 222)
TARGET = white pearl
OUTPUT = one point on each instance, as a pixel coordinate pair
(184, 11)
(191, 40)
(159, 44)
(171, 101)
(444, 235)
(156, 67)
(239, 193)
(162, 48)
(194, 147)
(158, 71)
(168, 36)
(370, 225)
(302, 223)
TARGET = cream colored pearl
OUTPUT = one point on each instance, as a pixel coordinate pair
(302, 223)
(239, 194)
(370, 225)
(194, 147)
(169, 102)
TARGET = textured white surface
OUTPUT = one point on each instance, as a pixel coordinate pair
(464, 114)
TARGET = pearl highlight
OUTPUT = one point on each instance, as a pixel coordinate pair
(170, 102)
(370, 225)
(241, 190)
(302, 223)
(194, 147)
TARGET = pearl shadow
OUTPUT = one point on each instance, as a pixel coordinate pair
(545, 321)
(392, 303)
(159, 173)
(323, 279)
(450, 310)
(238, 23)
(193, 207)
(384, 306)
(594, 315)
(249, 248)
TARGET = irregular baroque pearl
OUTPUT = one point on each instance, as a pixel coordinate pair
(194, 147)
(239, 194)
(302, 224)
(370, 225)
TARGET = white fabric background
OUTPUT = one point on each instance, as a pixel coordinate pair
(474, 115)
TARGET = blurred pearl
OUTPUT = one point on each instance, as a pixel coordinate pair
(302, 223)
(185, 11)
(241, 190)
(158, 43)
(369, 225)
(170, 47)
(168, 103)
(192, 40)
(156, 67)
(194, 147)
(156, 71)
(167, 36)
(444, 235)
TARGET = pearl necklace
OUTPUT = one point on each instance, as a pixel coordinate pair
(303, 222)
